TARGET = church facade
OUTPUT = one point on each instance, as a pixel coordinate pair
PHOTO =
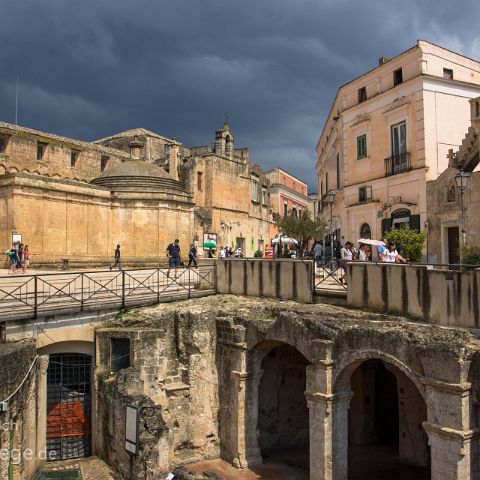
(77, 200)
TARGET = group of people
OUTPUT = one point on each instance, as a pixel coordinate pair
(19, 258)
(226, 252)
(387, 252)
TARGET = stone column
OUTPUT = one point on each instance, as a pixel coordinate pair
(328, 412)
(41, 438)
(454, 445)
(246, 413)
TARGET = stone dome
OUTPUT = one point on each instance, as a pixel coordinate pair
(139, 176)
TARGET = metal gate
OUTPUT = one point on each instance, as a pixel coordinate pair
(69, 406)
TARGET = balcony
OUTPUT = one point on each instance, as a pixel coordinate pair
(397, 164)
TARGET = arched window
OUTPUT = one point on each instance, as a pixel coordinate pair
(451, 193)
(365, 231)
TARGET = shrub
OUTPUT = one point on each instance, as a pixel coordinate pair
(470, 254)
(410, 242)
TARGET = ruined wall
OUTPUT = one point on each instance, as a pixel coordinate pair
(437, 296)
(21, 154)
(18, 427)
(173, 382)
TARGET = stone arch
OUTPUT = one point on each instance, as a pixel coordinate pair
(282, 427)
(345, 368)
(13, 170)
(384, 416)
(3, 170)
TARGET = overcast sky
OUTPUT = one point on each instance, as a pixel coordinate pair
(91, 68)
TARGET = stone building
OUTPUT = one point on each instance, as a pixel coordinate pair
(388, 132)
(77, 200)
(444, 198)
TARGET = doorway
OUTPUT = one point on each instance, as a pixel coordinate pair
(386, 440)
(453, 240)
(283, 417)
(69, 406)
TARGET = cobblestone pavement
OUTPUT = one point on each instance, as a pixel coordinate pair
(91, 468)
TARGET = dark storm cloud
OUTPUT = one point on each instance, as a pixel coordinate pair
(88, 69)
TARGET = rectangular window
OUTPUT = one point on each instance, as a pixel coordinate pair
(326, 182)
(397, 77)
(119, 354)
(3, 145)
(399, 139)
(264, 197)
(166, 150)
(361, 146)
(41, 147)
(321, 190)
(362, 94)
(338, 170)
(104, 162)
(285, 209)
(362, 194)
(199, 181)
(254, 190)
(448, 73)
(73, 158)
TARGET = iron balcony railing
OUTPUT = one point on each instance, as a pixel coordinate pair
(397, 164)
(31, 296)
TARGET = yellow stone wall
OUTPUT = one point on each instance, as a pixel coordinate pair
(60, 220)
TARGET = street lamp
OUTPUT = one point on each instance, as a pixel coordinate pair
(462, 180)
(331, 199)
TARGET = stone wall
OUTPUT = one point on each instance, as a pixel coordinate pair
(172, 380)
(18, 431)
(287, 279)
(21, 154)
(437, 296)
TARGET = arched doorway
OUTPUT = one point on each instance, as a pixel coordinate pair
(385, 433)
(283, 418)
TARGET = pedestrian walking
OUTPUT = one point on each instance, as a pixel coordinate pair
(318, 253)
(12, 255)
(346, 255)
(20, 257)
(173, 254)
(192, 256)
(26, 258)
(117, 259)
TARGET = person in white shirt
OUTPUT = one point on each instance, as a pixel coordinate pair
(222, 253)
(346, 255)
(318, 252)
(362, 254)
(391, 255)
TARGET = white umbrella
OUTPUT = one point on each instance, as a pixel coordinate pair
(368, 241)
(285, 240)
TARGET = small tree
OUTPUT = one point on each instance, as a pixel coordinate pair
(410, 241)
(470, 255)
(301, 226)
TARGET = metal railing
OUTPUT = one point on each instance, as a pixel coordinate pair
(329, 276)
(397, 164)
(31, 296)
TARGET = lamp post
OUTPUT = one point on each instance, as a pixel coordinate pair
(331, 199)
(462, 180)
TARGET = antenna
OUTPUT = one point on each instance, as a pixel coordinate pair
(16, 104)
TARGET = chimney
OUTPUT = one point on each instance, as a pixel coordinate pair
(136, 148)
(383, 60)
(174, 159)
